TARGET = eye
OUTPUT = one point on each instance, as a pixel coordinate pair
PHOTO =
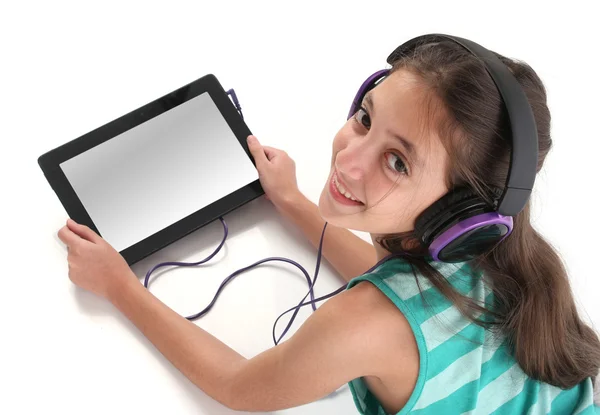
(394, 162)
(363, 118)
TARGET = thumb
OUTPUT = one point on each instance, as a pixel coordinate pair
(257, 150)
(83, 231)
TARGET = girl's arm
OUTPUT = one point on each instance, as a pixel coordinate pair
(343, 340)
(350, 255)
(357, 333)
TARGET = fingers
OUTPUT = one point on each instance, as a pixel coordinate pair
(82, 231)
(67, 236)
(257, 151)
(271, 152)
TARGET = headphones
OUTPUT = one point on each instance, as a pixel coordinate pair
(461, 225)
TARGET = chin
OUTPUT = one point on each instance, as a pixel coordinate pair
(328, 212)
(325, 208)
(331, 215)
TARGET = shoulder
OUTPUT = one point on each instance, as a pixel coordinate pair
(369, 320)
(377, 309)
(365, 306)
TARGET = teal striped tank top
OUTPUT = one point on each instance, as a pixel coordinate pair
(464, 369)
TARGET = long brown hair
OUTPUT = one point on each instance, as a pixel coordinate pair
(534, 305)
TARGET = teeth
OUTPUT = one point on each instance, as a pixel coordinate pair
(342, 190)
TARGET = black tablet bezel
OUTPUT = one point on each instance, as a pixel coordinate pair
(50, 165)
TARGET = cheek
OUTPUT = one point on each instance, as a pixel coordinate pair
(342, 138)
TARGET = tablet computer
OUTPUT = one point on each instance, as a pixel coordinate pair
(158, 173)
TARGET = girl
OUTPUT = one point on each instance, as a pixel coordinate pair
(496, 334)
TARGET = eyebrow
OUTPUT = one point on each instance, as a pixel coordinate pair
(408, 146)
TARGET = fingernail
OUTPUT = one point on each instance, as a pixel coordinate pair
(251, 139)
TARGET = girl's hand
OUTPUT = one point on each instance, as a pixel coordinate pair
(276, 171)
(94, 264)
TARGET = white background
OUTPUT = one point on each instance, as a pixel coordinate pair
(68, 68)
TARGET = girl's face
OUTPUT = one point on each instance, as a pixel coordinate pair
(387, 165)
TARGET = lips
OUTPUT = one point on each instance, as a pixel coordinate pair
(341, 193)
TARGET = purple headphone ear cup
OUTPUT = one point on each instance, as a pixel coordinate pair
(471, 237)
(364, 88)
(460, 225)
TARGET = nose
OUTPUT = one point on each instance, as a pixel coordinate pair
(354, 161)
(350, 173)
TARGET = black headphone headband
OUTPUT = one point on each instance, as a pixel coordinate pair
(524, 154)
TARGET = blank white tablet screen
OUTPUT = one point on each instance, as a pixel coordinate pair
(159, 172)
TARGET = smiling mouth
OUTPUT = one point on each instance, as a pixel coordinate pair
(343, 192)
